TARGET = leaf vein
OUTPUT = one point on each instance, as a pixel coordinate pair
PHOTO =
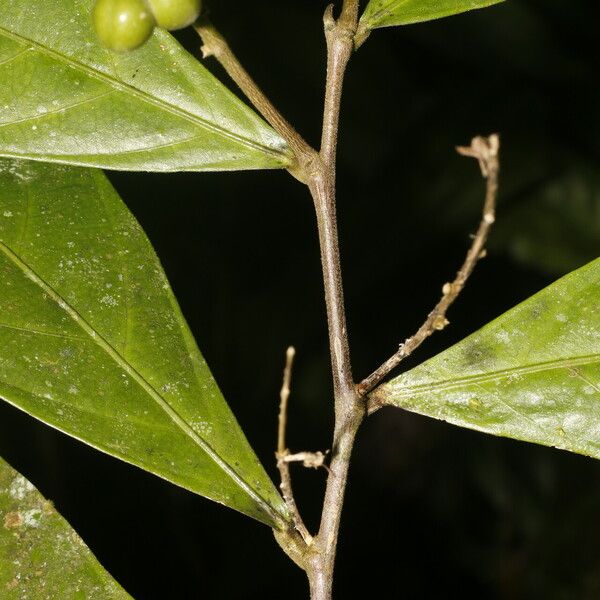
(10, 59)
(40, 332)
(55, 111)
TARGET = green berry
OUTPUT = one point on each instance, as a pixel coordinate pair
(123, 25)
(175, 14)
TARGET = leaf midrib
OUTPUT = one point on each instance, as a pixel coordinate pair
(146, 386)
(144, 96)
(449, 384)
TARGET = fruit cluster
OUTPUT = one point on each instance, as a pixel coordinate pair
(123, 25)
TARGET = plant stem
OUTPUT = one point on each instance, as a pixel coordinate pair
(320, 559)
(322, 189)
(339, 36)
(349, 407)
(318, 171)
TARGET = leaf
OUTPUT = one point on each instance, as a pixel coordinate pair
(533, 374)
(385, 13)
(65, 98)
(40, 555)
(92, 340)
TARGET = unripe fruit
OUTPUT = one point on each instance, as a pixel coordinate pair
(123, 25)
(175, 14)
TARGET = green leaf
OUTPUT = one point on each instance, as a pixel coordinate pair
(40, 555)
(532, 374)
(65, 98)
(385, 13)
(92, 340)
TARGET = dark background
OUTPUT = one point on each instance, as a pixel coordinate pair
(432, 511)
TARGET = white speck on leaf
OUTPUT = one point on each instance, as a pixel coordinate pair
(32, 518)
(109, 300)
(20, 487)
(503, 336)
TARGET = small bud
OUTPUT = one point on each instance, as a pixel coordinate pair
(440, 323)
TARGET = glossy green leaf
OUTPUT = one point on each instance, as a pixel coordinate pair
(66, 98)
(41, 556)
(92, 340)
(532, 374)
(385, 13)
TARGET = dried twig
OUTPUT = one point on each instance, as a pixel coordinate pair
(485, 150)
(311, 460)
(283, 454)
